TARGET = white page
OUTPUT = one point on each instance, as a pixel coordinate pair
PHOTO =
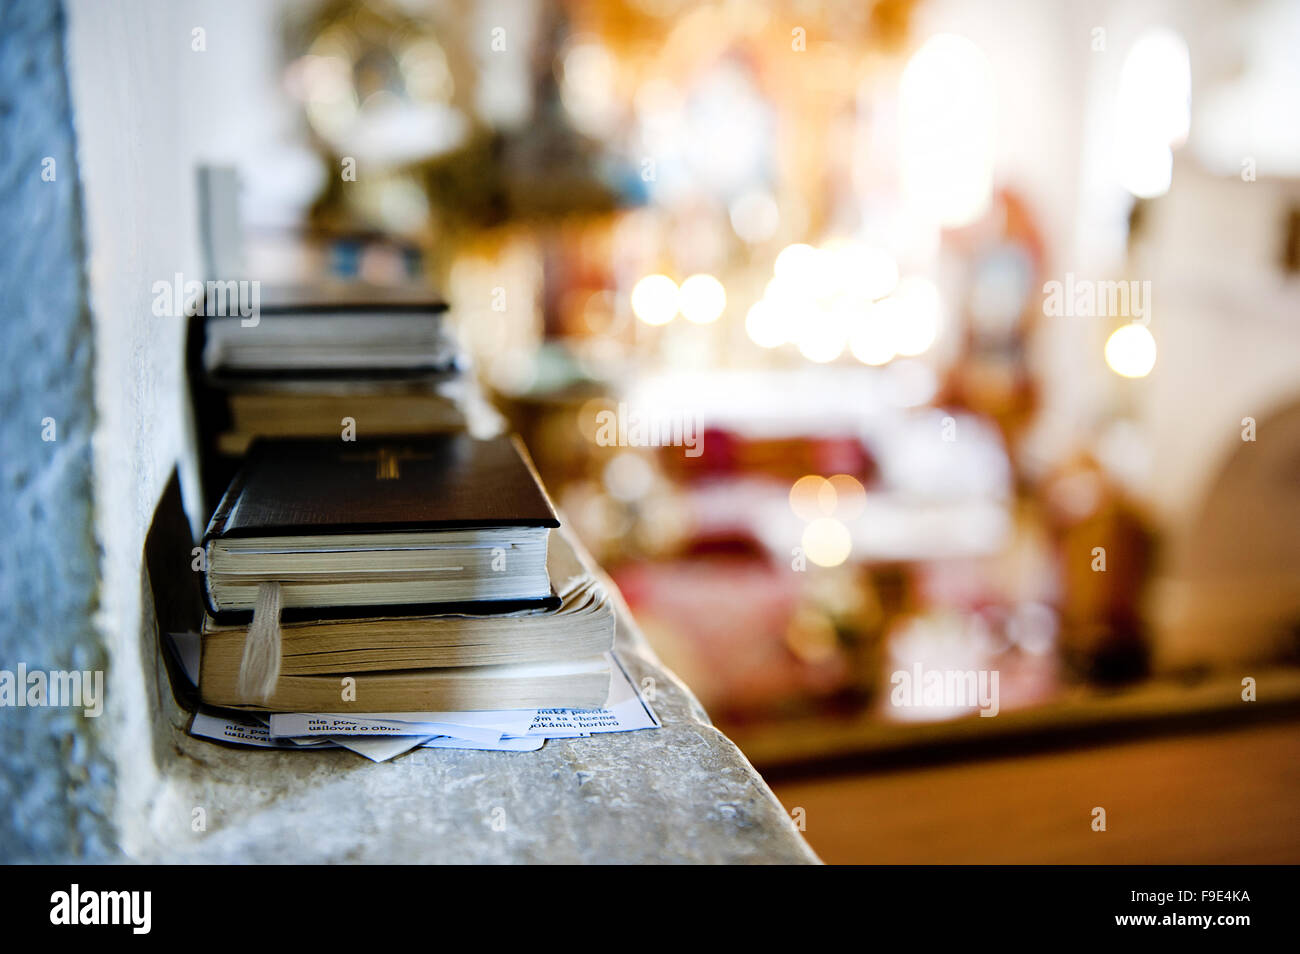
(626, 711)
(225, 729)
(502, 721)
(300, 724)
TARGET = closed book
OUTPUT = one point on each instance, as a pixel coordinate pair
(572, 684)
(411, 524)
(314, 408)
(332, 328)
(582, 626)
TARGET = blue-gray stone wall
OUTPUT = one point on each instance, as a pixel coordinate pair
(56, 780)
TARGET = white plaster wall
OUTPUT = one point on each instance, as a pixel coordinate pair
(147, 108)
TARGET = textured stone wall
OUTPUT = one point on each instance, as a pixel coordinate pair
(56, 785)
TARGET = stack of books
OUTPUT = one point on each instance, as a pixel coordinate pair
(397, 576)
(324, 361)
(374, 578)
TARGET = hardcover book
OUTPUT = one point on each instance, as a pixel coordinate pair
(331, 328)
(409, 524)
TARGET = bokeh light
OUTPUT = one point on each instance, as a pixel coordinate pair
(654, 299)
(1131, 351)
(915, 322)
(850, 497)
(946, 119)
(872, 338)
(702, 299)
(763, 325)
(827, 542)
(822, 334)
(797, 264)
(1152, 111)
(812, 496)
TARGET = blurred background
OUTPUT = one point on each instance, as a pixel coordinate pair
(859, 338)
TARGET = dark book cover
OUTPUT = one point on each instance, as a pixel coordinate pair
(448, 482)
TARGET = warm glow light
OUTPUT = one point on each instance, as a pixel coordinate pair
(850, 498)
(790, 302)
(785, 291)
(1131, 351)
(812, 496)
(702, 299)
(826, 542)
(764, 326)
(872, 338)
(1146, 170)
(865, 270)
(1155, 88)
(946, 130)
(1153, 111)
(822, 334)
(797, 264)
(654, 299)
(587, 87)
(914, 323)
(821, 299)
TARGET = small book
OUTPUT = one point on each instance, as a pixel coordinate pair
(333, 328)
(406, 525)
(574, 684)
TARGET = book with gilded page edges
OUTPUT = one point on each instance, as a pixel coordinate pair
(403, 525)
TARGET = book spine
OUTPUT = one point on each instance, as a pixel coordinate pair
(217, 525)
(217, 528)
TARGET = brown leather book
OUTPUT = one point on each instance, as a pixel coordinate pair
(408, 525)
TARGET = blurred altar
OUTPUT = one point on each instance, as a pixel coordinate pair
(853, 339)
